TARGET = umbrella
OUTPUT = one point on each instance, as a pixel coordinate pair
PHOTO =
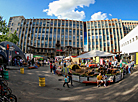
(95, 53)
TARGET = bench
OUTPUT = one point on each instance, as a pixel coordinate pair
(94, 82)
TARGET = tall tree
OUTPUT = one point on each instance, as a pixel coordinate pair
(5, 34)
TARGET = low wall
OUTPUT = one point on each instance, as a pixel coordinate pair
(113, 78)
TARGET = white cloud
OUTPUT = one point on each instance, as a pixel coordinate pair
(66, 9)
(99, 16)
(110, 14)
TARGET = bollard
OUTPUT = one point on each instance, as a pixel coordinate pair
(5, 75)
(22, 70)
(42, 81)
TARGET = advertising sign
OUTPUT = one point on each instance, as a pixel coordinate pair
(85, 42)
(101, 61)
(136, 58)
(59, 50)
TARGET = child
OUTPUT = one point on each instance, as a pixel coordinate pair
(66, 81)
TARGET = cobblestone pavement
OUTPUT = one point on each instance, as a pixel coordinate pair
(26, 88)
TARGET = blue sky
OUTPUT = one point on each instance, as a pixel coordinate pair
(70, 9)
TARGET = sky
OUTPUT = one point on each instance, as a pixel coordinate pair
(84, 10)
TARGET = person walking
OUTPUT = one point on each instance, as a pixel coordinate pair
(66, 81)
(70, 77)
(1, 70)
(51, 67)
(129, 67)
(32, 61)
(15, 61)
(54, 68)
(21, 61)
(44, 62)
(64, 64)
(132, 65)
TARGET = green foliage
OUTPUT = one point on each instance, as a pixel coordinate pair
(6, 35)
(13, 38)
(3, 26)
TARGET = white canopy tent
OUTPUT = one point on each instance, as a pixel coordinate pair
(95, 53)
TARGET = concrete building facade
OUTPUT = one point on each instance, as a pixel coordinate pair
(128, 45)
(54, 37)
(104, 35)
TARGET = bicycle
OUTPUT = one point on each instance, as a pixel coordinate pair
(9, 98)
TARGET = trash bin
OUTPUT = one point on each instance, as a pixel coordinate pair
(6, 75)
(42, 81)
(22, 70)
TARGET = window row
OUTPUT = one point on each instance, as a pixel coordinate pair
(130, 41)
(51, 23)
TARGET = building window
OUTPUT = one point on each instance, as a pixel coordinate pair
(36, 30)
(18, 24)
(43, 30)
(136, 37)
(133, 39)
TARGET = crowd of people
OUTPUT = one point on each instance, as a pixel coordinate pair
(108, 65)
(68, 77)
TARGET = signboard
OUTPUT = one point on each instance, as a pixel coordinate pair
(97, 59)
(85, 48)
(101, 61)
(137, 58)
(59, 50)
(85, 41)
(83, 79)
(93, 79)
(117, 78)
(75, 60)
(75, 77)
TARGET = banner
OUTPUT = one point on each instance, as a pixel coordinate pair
(136, 58)
(101, 61)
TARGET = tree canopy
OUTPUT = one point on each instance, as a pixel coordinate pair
(5, 34)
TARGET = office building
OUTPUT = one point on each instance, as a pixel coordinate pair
(58, 37)
(128, 45)
(51, 37)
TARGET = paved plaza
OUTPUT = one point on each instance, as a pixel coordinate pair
(26, 88)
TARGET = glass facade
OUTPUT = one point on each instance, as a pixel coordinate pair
(102, 35)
